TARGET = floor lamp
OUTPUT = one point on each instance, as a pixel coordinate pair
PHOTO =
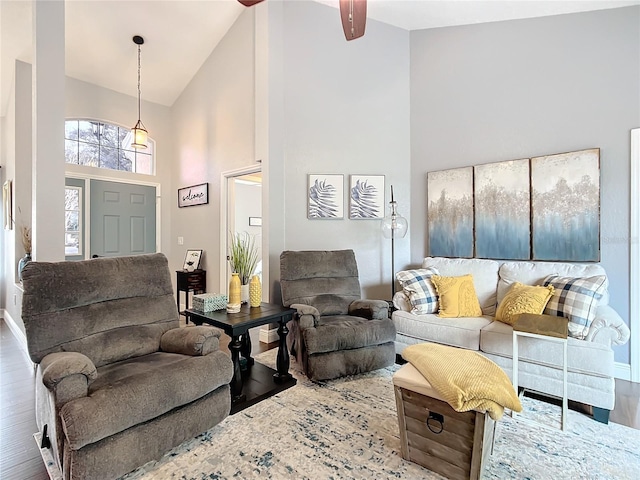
(394, 226)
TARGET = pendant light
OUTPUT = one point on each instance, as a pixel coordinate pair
(139, 132)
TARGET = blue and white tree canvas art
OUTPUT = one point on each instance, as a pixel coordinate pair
(565, 203)
(326, 197)
(503, 210)
(450, 212)
(366, 197)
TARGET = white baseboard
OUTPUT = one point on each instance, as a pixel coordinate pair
(269, 336)
(622, 371)
(15, 329)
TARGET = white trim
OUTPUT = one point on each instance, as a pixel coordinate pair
(634, 259)
(15, 329)
(225, 227)
(622, 371)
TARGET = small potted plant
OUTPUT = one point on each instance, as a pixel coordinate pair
(243, 259)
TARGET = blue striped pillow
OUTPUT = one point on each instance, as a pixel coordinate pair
(575, 299)
(418, 287)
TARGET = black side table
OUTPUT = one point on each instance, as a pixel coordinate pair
(186, 282)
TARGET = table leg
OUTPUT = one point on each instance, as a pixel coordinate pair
(245, 348)
(282, 360)
(514, 367)
(236, 381)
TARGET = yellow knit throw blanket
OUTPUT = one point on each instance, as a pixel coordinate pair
(464, 378)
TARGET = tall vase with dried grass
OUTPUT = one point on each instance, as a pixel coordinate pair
(243, 259)
(25, 237)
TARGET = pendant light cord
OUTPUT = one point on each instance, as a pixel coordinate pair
(139, 94)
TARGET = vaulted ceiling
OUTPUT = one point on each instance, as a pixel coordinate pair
(180, 34)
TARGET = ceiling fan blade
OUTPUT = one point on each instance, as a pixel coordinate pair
(249, 3)
(353, 14)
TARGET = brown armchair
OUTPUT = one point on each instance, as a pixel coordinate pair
(118, 382)
(334, 332)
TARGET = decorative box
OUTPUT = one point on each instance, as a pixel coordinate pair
(432, 434)
(208, 302)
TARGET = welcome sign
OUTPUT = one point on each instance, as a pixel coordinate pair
(194, 195)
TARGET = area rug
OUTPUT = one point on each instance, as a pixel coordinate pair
(348, 429)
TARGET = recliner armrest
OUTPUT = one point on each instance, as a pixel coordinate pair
(608, 328)
(371, 309)
(306, 315)
(195, 341)
(68, 375)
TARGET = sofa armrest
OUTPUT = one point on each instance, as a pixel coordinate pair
(371, 309)
(608, 328)
(67, 375)
(195, 341)
(306, 315)
(401, 302)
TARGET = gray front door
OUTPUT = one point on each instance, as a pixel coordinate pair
(123, 219)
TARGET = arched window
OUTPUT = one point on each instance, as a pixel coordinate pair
(104, 145)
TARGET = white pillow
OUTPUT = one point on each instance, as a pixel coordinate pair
(417, 285)
(575, 299)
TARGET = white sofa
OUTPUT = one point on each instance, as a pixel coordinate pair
(590, 361)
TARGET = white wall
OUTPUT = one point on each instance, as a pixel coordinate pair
(87, 101)
(517, 89)
(16, 163)
(345, 111)
(213, 127)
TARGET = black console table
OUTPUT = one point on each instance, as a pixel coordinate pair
(186, 282)
(258, 381)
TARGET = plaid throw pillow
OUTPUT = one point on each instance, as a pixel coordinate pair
(418, 287)
(575, 299)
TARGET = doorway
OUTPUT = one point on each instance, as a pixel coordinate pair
(241, 211)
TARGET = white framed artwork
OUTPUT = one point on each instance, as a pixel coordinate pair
(325, 197)
(366, 197)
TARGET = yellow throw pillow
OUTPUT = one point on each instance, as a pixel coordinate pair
(456, 296)
(523, 299)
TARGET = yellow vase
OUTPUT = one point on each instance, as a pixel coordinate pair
(255, 291)
(234, 289)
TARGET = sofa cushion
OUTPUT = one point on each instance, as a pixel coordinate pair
(457, 332)
(484, 272)
(575, 299)
(134, 391)
(583, 357)
(523, 299)
(456, 296)
(418, 286)
(534, 273)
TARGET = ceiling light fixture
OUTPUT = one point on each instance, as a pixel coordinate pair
(139, 132)
(353, 14)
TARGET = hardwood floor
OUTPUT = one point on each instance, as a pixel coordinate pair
(20, 457)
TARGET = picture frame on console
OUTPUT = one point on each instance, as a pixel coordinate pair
(192, 260)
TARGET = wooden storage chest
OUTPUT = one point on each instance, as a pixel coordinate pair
(432, 434)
